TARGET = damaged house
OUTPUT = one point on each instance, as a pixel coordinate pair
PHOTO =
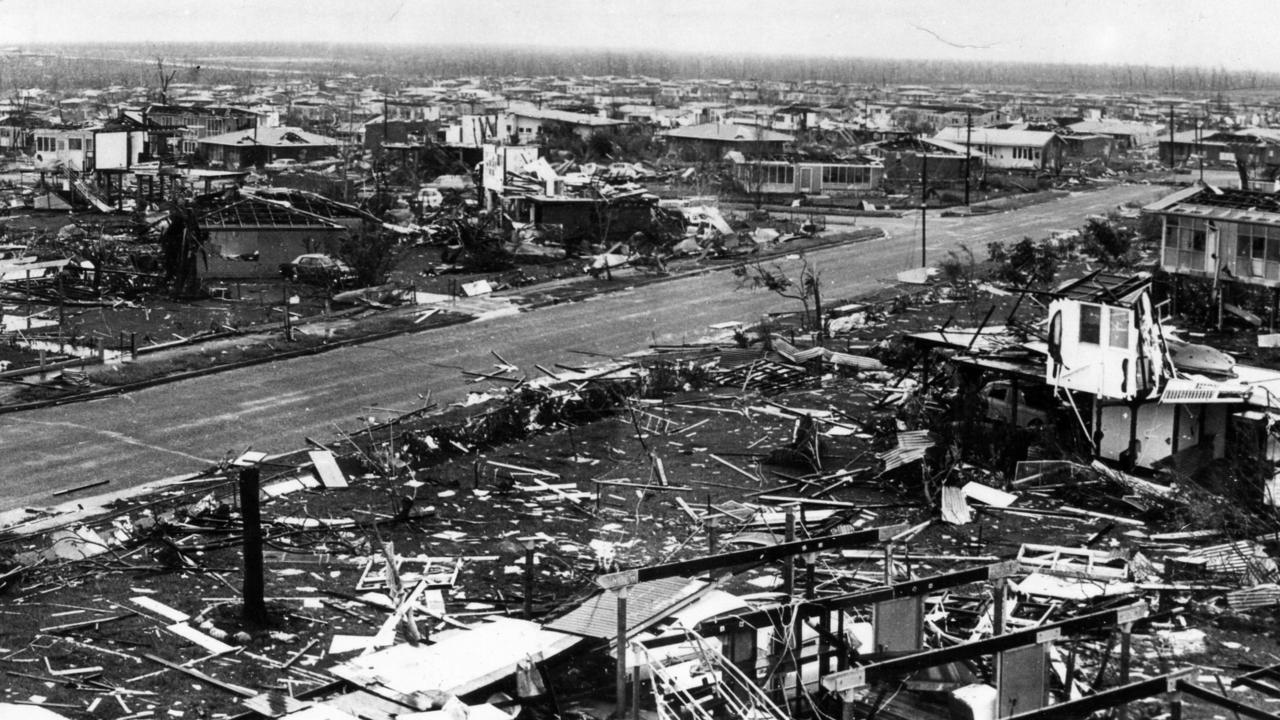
(1022, 150)
(806, 175)
(249, 237)
(944, 164)
(259, 146)
(1140, 398)
(1220, 234)
(713, 140)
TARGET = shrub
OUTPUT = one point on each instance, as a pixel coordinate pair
(957, 268)
(1110, 242)
(1027, 263)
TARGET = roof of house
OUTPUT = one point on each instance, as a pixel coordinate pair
(1246, 135)
(1213, 203)
(726, 132)
(224, 110)
(260, 214)
(992, 136)
(564, 116)
(940, 148)
(312, 203)
(1114, 127)
(1104, 287)
(271, 137)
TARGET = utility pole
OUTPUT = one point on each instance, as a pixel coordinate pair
(968, 152)
(1200, 146)
(383, 176)
(924, 192)
(1172, 148)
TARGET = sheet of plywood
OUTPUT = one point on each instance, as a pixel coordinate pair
(208, 642)
(327, 468)
(458, 662)
(160, 608)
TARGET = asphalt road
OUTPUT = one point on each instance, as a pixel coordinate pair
(183, 427)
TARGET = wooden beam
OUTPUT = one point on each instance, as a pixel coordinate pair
(202, 677)
(1108, 698)
(743, 557)
(1235, 706)
(861, 676)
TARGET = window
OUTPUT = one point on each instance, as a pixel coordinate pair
(74, 144)
(1091, 324)
(1197, 240)
(1119, 335)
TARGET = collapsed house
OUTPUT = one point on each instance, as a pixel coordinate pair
(1138, 396)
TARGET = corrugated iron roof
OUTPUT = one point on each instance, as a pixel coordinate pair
(597, 617)
(997, 137)
(258, 213)
(737, 357)
(726, 132)
(271, 137)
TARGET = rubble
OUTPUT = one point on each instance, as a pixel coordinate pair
(957, 497)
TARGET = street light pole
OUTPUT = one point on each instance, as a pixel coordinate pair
(968, 152)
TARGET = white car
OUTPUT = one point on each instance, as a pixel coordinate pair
(430, 198)
(1033, 405)
(282, 164)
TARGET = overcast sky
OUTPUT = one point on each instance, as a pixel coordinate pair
(1233, 35)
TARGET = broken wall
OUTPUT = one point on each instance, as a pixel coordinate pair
(1105, 350)
(1162, 430)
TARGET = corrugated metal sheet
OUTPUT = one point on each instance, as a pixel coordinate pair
(901, 456)
(854, 361)
(737, 357)
(598, 616)
(912, 445)
(1245, 558)
(914, 439)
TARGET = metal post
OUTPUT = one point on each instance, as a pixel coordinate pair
(528, 582)
(789, 564)
(998, 608)
(810, 580)
(635, 692)
(255, 607)
(62, 313)
(620, 668)
(1126, 635)
(888, 564)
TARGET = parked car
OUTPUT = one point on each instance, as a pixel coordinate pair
(318, 269)
(1034, 404)
(282, 164)
(430, 198)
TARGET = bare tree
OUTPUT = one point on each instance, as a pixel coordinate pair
(164, 80)
(805, 287)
